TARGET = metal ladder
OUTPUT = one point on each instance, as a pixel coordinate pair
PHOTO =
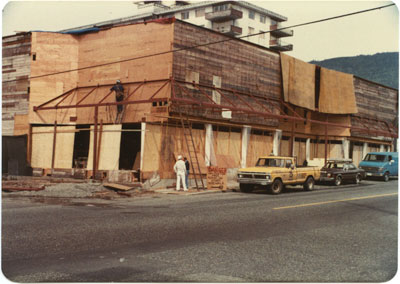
(187, 133)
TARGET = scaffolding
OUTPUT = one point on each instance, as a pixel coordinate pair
(197, 96)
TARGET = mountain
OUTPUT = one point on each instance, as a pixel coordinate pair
(382, 68)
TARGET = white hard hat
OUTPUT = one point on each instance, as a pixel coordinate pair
(179, 157)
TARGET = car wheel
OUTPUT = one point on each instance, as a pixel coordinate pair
(338, 180)
(386, 177)
(358, 178)
(309, 184)
(246, 187)
(276, 187)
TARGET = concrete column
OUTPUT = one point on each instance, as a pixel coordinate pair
(308, 149)
(382, 148)
(246, 130)
(142, 141)
(208, 144)
(277, 142)
(364, 150)
(346, 148)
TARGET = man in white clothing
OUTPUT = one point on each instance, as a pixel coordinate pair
(180, 170)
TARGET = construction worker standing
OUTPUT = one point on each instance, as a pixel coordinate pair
(119, 96)
(180, 170)
(187, 164)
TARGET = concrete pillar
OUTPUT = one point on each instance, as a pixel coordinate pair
(346, 148)
(308, 149)
(382, 148)
(208, 144)
(364, 150)
(142, 141)
(277, 142)
(246, 131)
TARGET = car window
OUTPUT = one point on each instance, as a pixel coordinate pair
(352, 167)
(375, 158)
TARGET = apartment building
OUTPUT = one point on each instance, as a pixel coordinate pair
(239, 19)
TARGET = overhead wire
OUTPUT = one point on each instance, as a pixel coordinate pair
(204, 44)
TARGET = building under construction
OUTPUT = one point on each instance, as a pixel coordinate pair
(189, 91)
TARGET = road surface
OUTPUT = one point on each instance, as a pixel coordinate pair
(334, 234)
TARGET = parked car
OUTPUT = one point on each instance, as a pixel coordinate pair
(273, 173)
(381, 164)
(338, 171)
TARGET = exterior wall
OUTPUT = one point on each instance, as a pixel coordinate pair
(54, 53)
(59, 52)
(15, 94)
(375, 101)
(241, 67)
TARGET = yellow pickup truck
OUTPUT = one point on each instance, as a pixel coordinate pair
(273, 173)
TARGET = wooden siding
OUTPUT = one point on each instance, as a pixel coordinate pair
(241, 66)
(374, 101)
(16, 69)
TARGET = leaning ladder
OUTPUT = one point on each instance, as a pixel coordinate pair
(187, 133)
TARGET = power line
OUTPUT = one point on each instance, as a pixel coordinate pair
(204, 44)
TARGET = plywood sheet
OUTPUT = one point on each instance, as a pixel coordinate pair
(319, 129)
(298, 82)
(21, 124)
(108, 156)
(64, 147)
(337, 92)
(259, 145)
(42, 145)
(152, 148)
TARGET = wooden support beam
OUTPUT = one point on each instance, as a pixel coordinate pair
(96, 112)
(53, 156)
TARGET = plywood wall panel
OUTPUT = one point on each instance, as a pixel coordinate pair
(108, 156)
(64, 147)
(259, 145)
(54, 53)
(42, 145)
(336, 92)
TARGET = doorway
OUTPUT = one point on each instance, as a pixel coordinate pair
(129, 156)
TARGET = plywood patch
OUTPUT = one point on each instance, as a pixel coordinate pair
(337, 92)
(64, 147)
(298, 82)
(42, 145)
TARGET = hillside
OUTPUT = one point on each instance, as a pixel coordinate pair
(382, 68)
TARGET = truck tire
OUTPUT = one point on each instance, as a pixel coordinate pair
(358, 178)
(244, 187)
(338, 180)
(386, 177)
(309, 184)
(276, 187)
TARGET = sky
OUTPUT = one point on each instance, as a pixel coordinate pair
(363, 34)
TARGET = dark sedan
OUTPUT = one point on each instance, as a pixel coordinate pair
(339, 171)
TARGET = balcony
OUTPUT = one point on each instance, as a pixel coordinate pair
(233, 31)
(280, 45)
(223, 16)
(279, 31)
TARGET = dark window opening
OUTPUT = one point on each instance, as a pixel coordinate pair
(129, 155)
(34, 56)
(317, 85)
(81, 147)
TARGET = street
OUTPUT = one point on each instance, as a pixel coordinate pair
(332, 234)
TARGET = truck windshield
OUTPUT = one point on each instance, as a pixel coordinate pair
(262, 162)
(375, 158)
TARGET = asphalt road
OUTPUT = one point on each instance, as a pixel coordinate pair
(333, 234)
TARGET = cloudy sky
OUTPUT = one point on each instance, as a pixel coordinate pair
(368, 33)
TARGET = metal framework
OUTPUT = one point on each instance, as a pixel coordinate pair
(243, 103)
